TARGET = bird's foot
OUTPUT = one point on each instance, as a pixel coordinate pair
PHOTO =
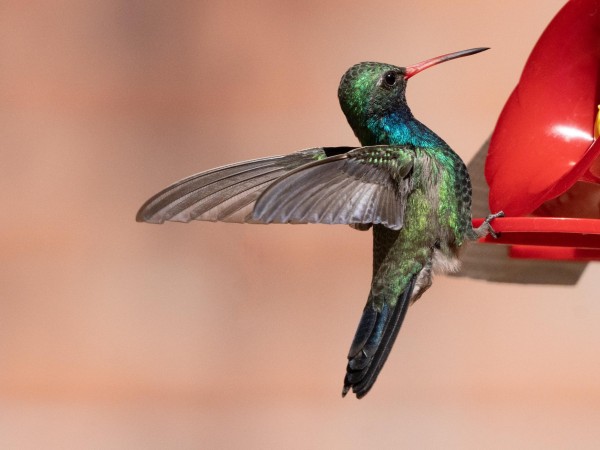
(486, 227)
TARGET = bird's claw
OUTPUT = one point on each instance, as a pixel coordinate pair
(488, 225)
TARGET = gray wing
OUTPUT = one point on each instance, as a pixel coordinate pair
(368, 185)
(226, 193)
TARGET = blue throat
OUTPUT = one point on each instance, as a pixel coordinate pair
(400, 129)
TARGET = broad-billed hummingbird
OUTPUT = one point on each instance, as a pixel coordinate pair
(404, 181)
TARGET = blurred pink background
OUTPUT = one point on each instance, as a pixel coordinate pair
(115, 334)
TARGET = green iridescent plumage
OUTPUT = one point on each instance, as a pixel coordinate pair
(405, 182)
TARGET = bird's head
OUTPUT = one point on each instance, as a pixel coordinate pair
(370, 91)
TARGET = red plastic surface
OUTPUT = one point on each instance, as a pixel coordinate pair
(547, 237)
(543, 141)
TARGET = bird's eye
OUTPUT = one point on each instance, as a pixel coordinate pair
(390, 78)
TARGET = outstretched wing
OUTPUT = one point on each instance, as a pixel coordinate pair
(226, 193)
(367, 185)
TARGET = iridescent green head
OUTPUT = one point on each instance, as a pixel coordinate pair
(370, 91)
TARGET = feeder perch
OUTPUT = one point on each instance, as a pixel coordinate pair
(543, 164)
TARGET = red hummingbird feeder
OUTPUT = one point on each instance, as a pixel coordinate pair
(543, 164)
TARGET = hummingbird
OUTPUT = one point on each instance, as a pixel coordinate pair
(404, 182)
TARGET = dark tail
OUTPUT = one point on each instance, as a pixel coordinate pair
(373, 341)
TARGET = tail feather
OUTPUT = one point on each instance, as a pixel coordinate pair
(373, 341)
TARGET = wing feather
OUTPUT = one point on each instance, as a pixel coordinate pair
(226, 193)
(343, 185)
(365, 185)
